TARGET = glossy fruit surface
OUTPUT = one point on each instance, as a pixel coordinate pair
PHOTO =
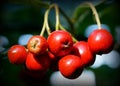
(37, 44)
(82, 50)
(17, 54)
(37, 63)
(60, 42)
(100, 41)
(70, 66)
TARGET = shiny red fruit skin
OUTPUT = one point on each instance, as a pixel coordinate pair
(17, 54)
(82, 50)
(37, 44)
(37, 63)
(70, 66)
(100, 41)
(60, 43)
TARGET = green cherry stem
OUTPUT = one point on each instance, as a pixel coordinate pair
(43, 28)
(45, 24)
(57, 16)
(46, 21)
(94, 13)
(45, 5)
(58, 25)
(62, 28)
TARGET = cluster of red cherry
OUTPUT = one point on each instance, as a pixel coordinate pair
(60, 52)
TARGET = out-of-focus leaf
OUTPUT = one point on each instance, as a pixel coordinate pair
(110, 13)
(18, 16)
(107, 16)
(82, 9)
(79, 12)
(37, 3)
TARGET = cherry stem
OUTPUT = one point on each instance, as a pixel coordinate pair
(43, 28)
(94, 13)
(46, 21)
(46, 5)
(62, 28)
(57, 16)
(58, 25)
(46, 25)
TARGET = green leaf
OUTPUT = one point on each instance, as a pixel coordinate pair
(83, 9)
(36, 3)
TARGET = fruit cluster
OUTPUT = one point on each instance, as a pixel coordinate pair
(59, 51)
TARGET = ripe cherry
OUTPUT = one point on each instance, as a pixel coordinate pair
(71, 66)
(54, 62)
(37, 63)
(17, 54)
(82, 50)
(60, 43)
(100, 41)
(37, 44)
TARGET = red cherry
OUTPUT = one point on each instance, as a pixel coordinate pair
(54, 62)
(60, 43)
(82, 50)
(100, 41)
(51, 56)
(37, 63)
(70, 66)
(17, 54)
(37, 44)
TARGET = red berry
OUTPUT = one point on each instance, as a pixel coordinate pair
(54, 62)
(60, 43)
(70, 66)
(17, 54)
(37, 63)
(37, 44)
(82, 50)
(51, 56)
(100, 41)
